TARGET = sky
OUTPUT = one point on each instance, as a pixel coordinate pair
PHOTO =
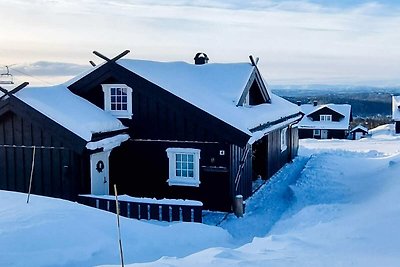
(298, 42)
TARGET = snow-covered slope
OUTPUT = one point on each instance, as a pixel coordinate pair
(335, 205)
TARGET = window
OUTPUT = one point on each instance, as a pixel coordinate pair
(284, 139)
(183, 166)
(317, 132)
(325, 117)
(118, 100)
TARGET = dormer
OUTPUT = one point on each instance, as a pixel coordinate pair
(255, 92)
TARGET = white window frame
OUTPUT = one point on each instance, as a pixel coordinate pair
(283, 139)
(176, 180)
(126, 114)
(325, 117)
(316, 132)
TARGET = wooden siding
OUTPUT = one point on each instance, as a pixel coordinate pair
(62, 165)
(57, 173)
(332, 134)
(244, 184)
(141, 168)
(294, 142)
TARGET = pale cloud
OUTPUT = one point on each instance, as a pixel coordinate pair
(297, 41)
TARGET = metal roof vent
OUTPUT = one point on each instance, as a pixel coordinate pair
(200, 58)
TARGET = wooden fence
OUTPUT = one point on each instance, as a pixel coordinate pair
(153, 210)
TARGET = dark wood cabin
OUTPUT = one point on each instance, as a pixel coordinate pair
(198, 131)
(62, 162)
(358, 132)
(329, 121)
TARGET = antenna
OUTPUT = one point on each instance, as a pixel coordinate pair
(7, 77)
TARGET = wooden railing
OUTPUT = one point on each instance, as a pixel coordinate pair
(148, 209)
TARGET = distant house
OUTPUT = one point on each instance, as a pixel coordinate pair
(200, 131)
(325, 121)
(396, 113)
(358, 132)
(62, 132)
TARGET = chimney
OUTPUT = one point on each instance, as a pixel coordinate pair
(200, 58)
(315, 103)
(298, 103)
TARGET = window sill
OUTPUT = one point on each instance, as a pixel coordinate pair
(183, 182)
(121, 115)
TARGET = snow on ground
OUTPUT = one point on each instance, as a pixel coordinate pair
(335, 205)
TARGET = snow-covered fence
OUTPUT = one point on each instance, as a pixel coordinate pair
(148, 209)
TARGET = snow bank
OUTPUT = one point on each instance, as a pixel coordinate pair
(53, 232)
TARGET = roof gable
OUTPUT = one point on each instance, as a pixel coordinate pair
(325, 110)
(215, 88)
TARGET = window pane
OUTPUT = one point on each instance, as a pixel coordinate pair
(190, 166)
(124, 99)
(124, 107)
(184, 157)
(178, 173)
(112, 91)
(184, 173)
(190, 157)
(178, 157)
(178, 165)
(113, 99)
(112, 106)
(119, 98)
(190, 174)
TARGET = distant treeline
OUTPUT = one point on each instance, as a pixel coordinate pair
(370, 108)
(364, 104)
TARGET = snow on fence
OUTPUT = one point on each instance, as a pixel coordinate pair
(148, 209)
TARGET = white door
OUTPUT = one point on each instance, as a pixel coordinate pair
(324, 134)
(99, 173)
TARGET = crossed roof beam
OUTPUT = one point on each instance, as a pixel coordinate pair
(13, 91)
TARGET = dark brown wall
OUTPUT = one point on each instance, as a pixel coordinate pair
(57, 172)
(141, 169)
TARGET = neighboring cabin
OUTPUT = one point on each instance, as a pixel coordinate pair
(196, 131)
(358, 132)
(396, 113)
(325, 121)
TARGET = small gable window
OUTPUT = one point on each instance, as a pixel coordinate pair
(283, 139)
(325, 117)
(183, 166)
(118, 100)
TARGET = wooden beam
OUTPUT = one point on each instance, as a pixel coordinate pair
(253, 62)
(101, 56)
(5, 92)
(120, 55)
(18, 88)
(92, 63)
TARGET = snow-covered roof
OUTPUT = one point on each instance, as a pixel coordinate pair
(359, 127)
(69, 110)
(214, 88)
(395, 108)
(343, 124)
